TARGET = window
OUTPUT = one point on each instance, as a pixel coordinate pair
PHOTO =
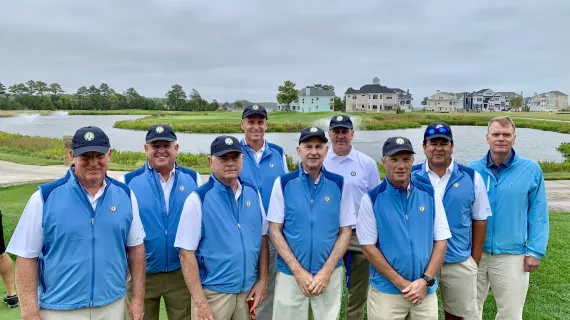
(317, 98)
(312, 100)
(440, 98)
(380, 96)
(353, 97)
(450, 103)
(389, 98)
(374, 107)
(375, 96)
(303, 100)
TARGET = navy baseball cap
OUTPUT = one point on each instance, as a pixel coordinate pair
(436, 130)
(89, 139)
(160, 132)
(340, 121)
(254, 109)
(394, 145)
(224, 144)
(312, 132)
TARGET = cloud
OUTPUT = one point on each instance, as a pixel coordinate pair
(232, 50)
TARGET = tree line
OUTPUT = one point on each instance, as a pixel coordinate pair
(38, 95)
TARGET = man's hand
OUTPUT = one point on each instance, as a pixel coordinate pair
(258, 292)
(415, 291)
(477, 260)
(304, 280)
(531, 263)
(202, 310)
(136, 309)
(320, 282)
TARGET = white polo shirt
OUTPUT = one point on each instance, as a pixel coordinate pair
(360, 172)
(190, 226)
(481, 209)
(366, 227)
(27, 240)
(167, 185)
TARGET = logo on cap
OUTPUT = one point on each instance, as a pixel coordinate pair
(422, 208)
(439, 126)
(159, 129)
(327, 199)
(181, 188)
(229, 141)
(313, 129)
(113, 208)
(339, 118)
(400, 141)
(247, 204)
(456, 185)
(255, 107)
(89, 136)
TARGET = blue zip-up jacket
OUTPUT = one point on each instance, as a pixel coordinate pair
(519, 224)
(263, 175)
(83, 262)
(161, 226)
(312, 218)
(228, 252)
(405, 228)
(458, 200)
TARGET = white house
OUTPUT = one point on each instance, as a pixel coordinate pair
(445, 102)
(552, 101)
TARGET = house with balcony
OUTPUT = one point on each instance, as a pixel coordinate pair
(311, 99)
(552, 101)
(404, 98)
(372, 98)
(445, 102)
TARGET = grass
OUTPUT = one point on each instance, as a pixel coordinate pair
(548, 295)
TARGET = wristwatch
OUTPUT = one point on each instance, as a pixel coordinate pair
(430, 281)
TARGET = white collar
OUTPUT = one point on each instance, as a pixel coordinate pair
(447, 170)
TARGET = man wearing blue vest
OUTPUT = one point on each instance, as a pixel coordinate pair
(403, 231)
(517, 233)
(263, 162)
(77, 238)
(222, 238)
(161, 187)
(360, 173)
(467, 208)
(311, 214)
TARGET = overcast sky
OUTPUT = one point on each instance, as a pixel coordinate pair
(233, 49)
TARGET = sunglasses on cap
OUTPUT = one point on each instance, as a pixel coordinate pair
(431, 131)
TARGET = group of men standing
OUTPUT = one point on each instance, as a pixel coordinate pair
(257, 239)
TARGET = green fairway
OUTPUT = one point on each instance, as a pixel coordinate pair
(548, 295)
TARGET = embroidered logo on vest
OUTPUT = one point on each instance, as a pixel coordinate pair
(422, 208)
(113, 208)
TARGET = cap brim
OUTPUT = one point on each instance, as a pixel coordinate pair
(309, 137)
(348, 126)
(438, 136)
(79, 151)
(251, 113)
(221, 153)
(393, 152)
(161, 139)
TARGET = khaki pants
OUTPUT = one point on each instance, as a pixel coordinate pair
(359, 280)
(458, 287)
(383, 306)
(226, 306)
(505, 274)
(112, 311)
(291, 304)
(169, 285)
(265, 309)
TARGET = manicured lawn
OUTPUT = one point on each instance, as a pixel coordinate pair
(548, 296)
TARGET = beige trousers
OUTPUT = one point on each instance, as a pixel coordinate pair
(226, 306)
(112, 311)
(504, 273)
(290, 303)
(458, 288)
(359, 280)
(383, 306)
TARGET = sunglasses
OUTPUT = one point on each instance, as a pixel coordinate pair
(431, 131)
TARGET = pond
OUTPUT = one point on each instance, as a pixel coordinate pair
(469, 140)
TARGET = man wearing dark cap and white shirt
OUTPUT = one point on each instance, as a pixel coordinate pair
(263, 162)
(467, 208)
(311, 213)
(222, 236)
(403, 231)
(360, 174)
(76, 239)
(161, 186)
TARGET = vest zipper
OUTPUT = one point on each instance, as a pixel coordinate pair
(404, 200)
(158, 186)
(312, 188)
(233, 204)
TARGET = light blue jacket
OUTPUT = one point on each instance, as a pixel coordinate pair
(519, 224)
